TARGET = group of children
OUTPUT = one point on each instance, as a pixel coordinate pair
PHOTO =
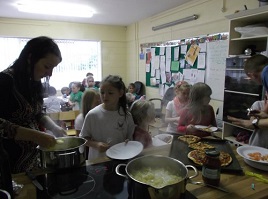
(108, 120)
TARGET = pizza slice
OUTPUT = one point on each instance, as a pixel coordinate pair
(189, 138)
(201, 146)
(198, 157)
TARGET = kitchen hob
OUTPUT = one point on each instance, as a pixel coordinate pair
(95, 181)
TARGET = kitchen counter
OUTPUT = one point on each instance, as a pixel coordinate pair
(239, 186)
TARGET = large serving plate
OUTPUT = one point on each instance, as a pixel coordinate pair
(123, 151)
(179, 150)
(245, 150)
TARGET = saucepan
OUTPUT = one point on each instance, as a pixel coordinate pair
(68, 152)
(170, 182)
(4, 194)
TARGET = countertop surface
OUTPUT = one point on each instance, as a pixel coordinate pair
(239, 186)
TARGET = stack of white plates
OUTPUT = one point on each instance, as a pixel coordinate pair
(243, 151)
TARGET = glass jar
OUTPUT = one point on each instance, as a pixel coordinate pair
(211, 169)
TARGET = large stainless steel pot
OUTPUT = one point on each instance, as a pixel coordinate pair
(139, 189)
(68, 152)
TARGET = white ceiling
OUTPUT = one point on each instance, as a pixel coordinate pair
(109, 12)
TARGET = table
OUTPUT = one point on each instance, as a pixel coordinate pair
(239, 186)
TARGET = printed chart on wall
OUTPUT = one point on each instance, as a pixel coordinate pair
(216, 63)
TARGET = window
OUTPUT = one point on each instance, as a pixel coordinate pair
(78, 58)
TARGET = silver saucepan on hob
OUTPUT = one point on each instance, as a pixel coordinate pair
(156, 176)
(68, 152)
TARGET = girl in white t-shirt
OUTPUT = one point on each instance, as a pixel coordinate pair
(182, 90)
(109, 123)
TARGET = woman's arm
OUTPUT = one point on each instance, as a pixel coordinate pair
(49, 124)
(38, 137)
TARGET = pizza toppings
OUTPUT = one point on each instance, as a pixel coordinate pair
(257, 156)
(189, 138)
(198, 157)
(201, 146)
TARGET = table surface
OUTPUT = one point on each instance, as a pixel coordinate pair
(239, 186)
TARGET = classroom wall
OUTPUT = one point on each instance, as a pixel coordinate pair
(121, 45)
(211, 20)
(113, 38)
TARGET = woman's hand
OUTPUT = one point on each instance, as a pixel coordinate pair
(45, 140)
(58, 131)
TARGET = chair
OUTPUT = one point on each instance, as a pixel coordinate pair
(140, 88)
(168, 96)
(67, 119)
(157, 106)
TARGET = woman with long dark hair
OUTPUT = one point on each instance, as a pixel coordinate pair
(22, 100)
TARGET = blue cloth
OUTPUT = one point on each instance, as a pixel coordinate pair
(264, 77)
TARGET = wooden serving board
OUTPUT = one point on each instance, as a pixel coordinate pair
(179, 150)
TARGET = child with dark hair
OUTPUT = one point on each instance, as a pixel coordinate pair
(109, 123)
(197, 111)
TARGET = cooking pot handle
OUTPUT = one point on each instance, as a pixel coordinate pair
(117, 170)
(195, 170)
(70, 153)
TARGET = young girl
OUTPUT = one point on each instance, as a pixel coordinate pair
(143, 113)
(197, 111)
(109, 123)
(90, 99)
(174, 107)
(76, 96)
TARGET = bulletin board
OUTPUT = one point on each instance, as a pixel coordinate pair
(207, 66)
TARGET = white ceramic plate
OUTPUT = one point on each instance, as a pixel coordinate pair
(162, 139)
(124, 151)
(256, 165)
(212, 128)
(245, 150)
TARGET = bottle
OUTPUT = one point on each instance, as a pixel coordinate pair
(211, 169)
(5, 173)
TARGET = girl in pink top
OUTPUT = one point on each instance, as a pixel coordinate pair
(197, 111)
(174, 107)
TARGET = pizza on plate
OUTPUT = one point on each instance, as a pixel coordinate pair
(189, 138)
(198, 157)
(201, 146)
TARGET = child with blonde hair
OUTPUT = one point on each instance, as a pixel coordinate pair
(174, 107)
(197, 111)
(143, 113)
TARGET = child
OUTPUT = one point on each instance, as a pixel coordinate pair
(109, 123)
(197, 111)
(90, 99)
(76, 96)
(181, 89)
(132, 90)
(143, 113)
(53, 103)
